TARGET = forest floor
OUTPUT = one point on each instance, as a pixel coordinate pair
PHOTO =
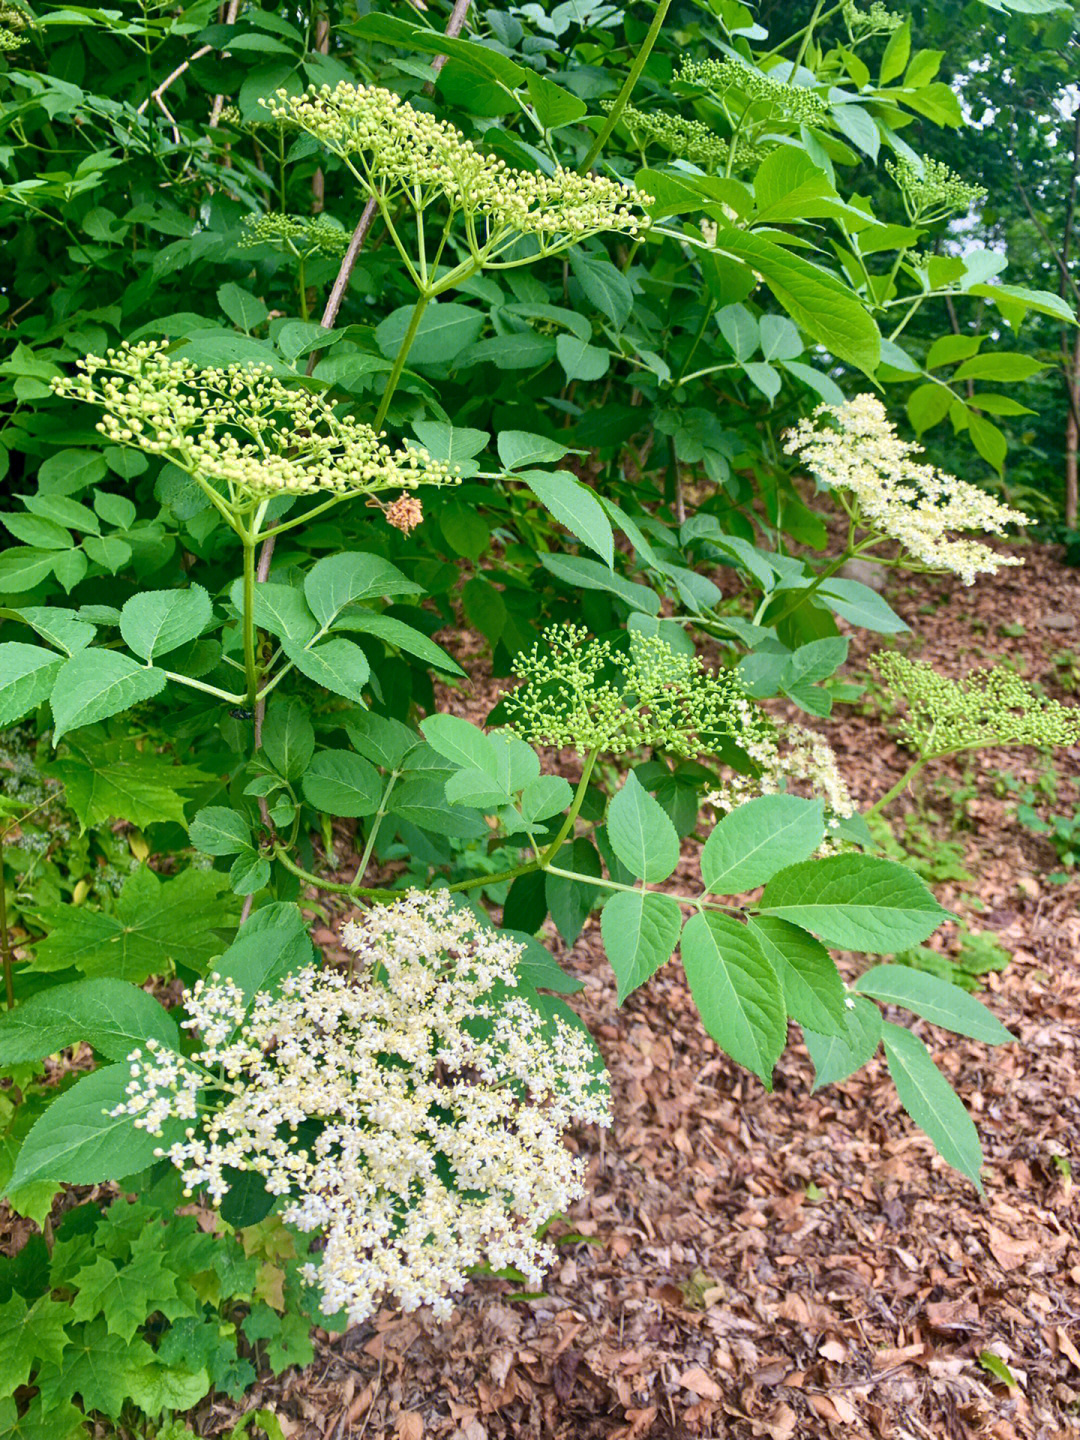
(795, 1265)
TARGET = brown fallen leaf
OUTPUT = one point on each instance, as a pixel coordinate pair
(1068, 1349)
(1009, 1252)
(700, 1382)
(409, 1425)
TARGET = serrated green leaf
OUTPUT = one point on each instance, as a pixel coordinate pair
(936, 1000)
(158, 621)
(855, 902)
(736, 991)
(836, 1057)
(337, 665)
(641, 832)
(95, 684)
(220, 830)
(341, 783)
(575, 507)
(640, 930)
(112, 1016)
(748, 846)
(27, 677)
(813, 990)
(932, 1103)
(288, 737)
(338, 580)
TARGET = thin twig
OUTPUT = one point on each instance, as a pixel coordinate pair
(219, 100)
(454, 27)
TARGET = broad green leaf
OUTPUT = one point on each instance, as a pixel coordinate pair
(539, 968)
(927, 406)
(384, 742)
(95, 684)
(112, 779)
(341, 783)
(932, 1103)
(24, 567)
(30, 1335)
(748, 846)
(817, 302)
(27, 676)
(837, 1056)
(936, 1000)
(579, 572)
(855, 902)
(545, 796)
(554, 106)
(157, 621)
(445, 329)
(403, 637)
(421, 801)
(219, 830)
(108, 551)
(452, 444)
(897, 53)
(736, 990)
(579, 359)
(999, 365)
(337, 665)
(77, 1142)
(272, 944)
(604, 285)
(246, 311)
(288, 737)
(641, 833)
(338, 580)
(518, 448)
(640, 930)
(112, 1016)
(102, 1369)
(156, 924)
(813, 989)
(248, 873)
(58, 626)
(280, 609)
(36, 530)
(574, 505)
(859, 605)
(125, 1295)
(69, 471)
(462, 743)
(571, 901)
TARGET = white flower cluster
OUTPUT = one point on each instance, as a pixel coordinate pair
(803, 761)
(432, 1101)
(239, 428)
(410, 154)
(897, 498)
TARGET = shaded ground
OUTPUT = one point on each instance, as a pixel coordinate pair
(795, 1265)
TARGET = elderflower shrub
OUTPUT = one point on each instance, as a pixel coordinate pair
(239, 428)
(586, 694)
(984, 709)
(303, 234)
(432, 1095)
(899, 499)
(930, 190)
(722, 76)
(803, 762)
(412, 156)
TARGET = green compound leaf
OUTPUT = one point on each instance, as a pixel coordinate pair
(341, 783)
(158, 621)
(855, 902)
(750, 845)
(641, 833)
(111, 779)
(111, 1015)
(813, 989)
(95, 684)
(461, 743)
(932, 1103)
(401, 636)
(640, 930)
(736, 990)
(937, 1000)
(575, 507)
(124, 1295)
(30, 1335)
(77, 1142)
(836, 1057)
(104, 1370)
(27, 676)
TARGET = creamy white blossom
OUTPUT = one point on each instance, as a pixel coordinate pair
(432, 1092)
(239, 428)
(898, 498)
(802, 762)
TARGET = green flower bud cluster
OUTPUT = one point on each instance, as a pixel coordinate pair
(240, 429)
(587, 695)
(720, 76)
(13, 20)
(302, 234)
(411, 155)
(877, 20)
(933, 192)
(8, 40)
(987, 708)
(690, 139)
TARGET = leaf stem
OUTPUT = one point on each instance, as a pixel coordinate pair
(401, 357)
(623, 97)
(251, 671)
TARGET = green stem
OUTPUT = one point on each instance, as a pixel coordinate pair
(301, 285)
(808, 34)
(897, 789)
(251, 669)
(623, 97)
(801, 596)
(402, 355)
(373, 833)
(224, 695)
